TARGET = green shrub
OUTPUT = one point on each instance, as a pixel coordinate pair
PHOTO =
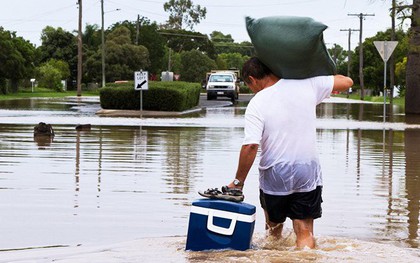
(49, 77)
(244, 89)
(3, 86)
(161, 96)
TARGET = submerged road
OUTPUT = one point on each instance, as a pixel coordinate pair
(222, 102)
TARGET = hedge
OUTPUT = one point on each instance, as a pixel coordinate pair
(244, 89)
(161, 96)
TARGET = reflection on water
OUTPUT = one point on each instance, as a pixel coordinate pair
(412, 184)
(43, 140)
(360, 112)
(115, 183)
(374, 184)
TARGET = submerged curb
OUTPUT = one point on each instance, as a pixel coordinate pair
(204, 103)
(138, 113)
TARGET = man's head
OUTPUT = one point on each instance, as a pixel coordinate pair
(256, 75)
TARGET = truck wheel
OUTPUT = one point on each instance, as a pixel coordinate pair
(209, 96)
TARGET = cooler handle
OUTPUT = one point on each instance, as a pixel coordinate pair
(218, 229)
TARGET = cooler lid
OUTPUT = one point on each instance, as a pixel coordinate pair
(240, 208)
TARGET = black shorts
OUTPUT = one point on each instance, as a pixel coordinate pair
(294, 206)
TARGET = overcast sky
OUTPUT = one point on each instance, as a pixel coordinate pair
(29, 17)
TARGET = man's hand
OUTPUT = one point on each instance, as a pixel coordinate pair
(233, 186)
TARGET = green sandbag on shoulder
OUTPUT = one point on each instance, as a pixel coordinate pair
(292, 47)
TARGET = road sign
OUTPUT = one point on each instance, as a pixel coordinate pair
(141, 80)
(385, 48)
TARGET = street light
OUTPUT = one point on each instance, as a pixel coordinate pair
(103, 40)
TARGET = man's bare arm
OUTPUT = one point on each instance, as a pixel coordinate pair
(246, 159)
(342, 83)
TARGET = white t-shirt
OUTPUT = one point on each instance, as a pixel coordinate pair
(281, 119)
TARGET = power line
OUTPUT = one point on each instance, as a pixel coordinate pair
(36, 16)
(262, 5)
(234, 46)
(203, 36)
(183, 35)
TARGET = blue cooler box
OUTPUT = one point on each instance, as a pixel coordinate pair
(218, 224)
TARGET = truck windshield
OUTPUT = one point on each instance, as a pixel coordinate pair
(220, 78)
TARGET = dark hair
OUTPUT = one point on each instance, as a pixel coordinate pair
(255, 68)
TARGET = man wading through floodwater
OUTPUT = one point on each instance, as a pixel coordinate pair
(281, 119)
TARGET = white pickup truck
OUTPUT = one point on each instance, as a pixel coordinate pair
(223, 84)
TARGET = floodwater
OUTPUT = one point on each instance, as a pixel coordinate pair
(128, 179)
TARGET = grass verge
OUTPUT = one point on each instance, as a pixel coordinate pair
(396, 101)
(45, 93)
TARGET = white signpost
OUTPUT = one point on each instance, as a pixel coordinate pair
(33, 82)
(141, 82)
(385, 49)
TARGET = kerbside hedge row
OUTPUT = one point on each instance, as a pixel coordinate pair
(161, 96)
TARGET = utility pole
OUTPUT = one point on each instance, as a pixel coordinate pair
(349, 52)
(361, 79)
(137, 29)
(391, 59)
(79, 52)
(349, 49)
(103, 44)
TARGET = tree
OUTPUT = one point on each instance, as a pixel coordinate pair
(184, 40)
(195, 65)
(124, 58)
(412, 98)
(61, 66)
(60, 45)
(49, 77)
(92, 37)
(339, 56)
(219, 37)
(50, 74)
(373, 65)
(221, 63)
(400, 69)
(172, 61)
(183, 13)
(92, 66)
(17, 57)
(155, 44)
(149, 37)
(225, 44)
(120, 36)
(231, 60)
(7, 52)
